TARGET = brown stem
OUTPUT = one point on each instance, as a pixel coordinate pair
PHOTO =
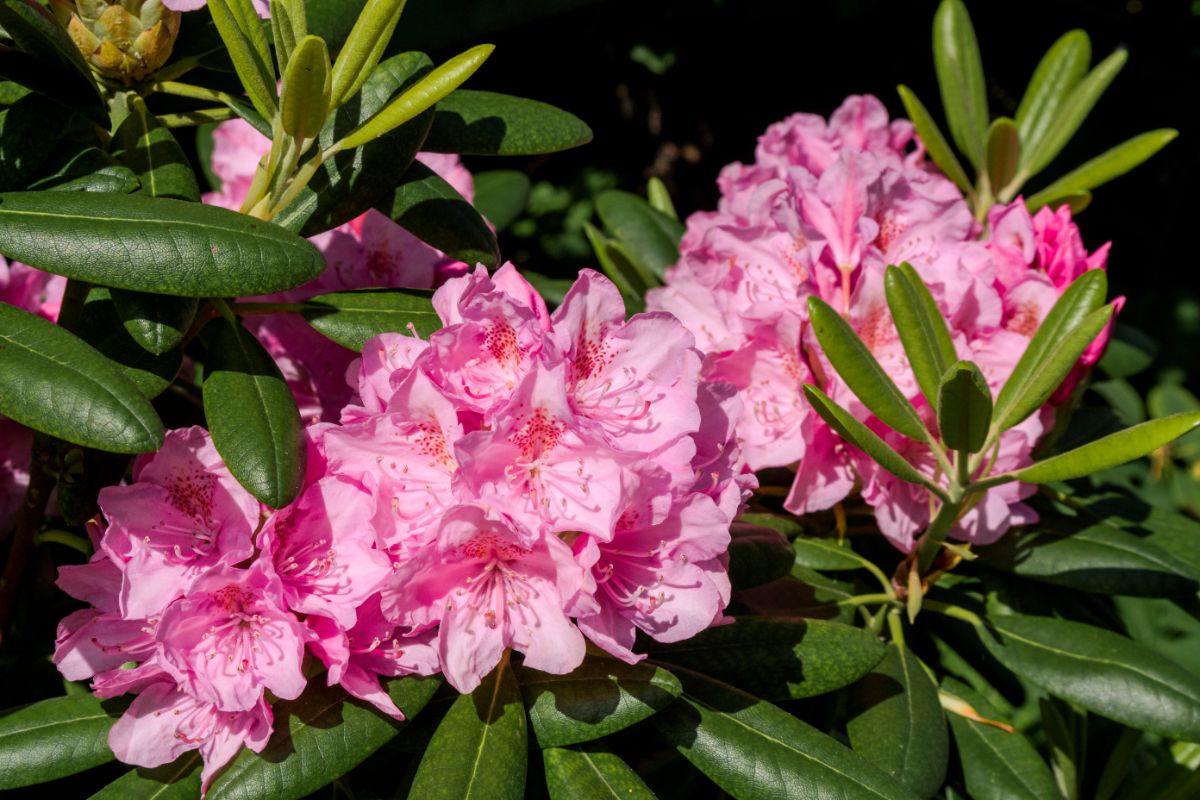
(29, 520)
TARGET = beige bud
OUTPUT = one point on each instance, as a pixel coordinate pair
(124, 40)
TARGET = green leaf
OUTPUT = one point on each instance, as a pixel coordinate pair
(826, 554)
(155, 322)
(351, 318)
(1071, 114)
(1061, 725)
(1129, 352)
(1067, 330)
(777, 658)
(599, 697)
(304, 103)
(1110, 451)
(477, 123)
(289, 25)
(148, 148)
(153, 245)
(1103, 168)
(479, 750)
(34, 30)
(179, 780)
(1003, 152)
(660, 199)
(87, 170)
(898, 724)
(753, 750)
(591, 772)
(935, 143)
(757, 555)
(429, 208)
(422, 95)
(864, 438)
(363, 48)
(53, 382)
(501, 196)
(54, 738)
(1125, 401)
(997, 765)
(964, 408)
(1100, 671)
(922, 328)
(26, 141)
(247, 45)
(650, 237)
(1059, 71)
(960, 78)
(861, 372)
(252, 415)
(619, 268)
(350, 183)
(101, 326)
(318, 737)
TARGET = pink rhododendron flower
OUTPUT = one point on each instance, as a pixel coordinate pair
(262, 7)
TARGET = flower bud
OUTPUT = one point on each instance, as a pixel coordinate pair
(124, 40)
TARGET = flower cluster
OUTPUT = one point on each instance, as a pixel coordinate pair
(823, 210)
(520, 480)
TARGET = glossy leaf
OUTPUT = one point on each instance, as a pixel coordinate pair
(252, 415)
(422, 95)
(1003, 152)
(88, 170)
(825, 554)
(53, 738)
(861, 372)
(757, 556)
(318, 737)
(660, 199)
(756, 751)
(153, 245)
(649, 236)
(1100, 671)
(1103, 168)
(619, 268)
(501, 196)
(922, 328)
(599, 697)
(964, 408)
(1057, 74)
(364, 47)
(591, 773)
(34, 30)
(898, 723)
(428, 207)
(53, 382)
(777, 658)
(863, 437)
(179, 780)
(960, 78)
(350, 183)
(148, 148)
(26, 142)
(479, 751)
(351, 318)
(996, 764)
(1067, 330)
(247, 46)
(1110, 451)
(1130, 351)
(489, 124)
(101, 326)
(304, 103)
(935, 143)
(1072, 113)
(155, 322)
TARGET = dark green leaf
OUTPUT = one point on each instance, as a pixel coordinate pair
(964, 408)
(87, 170)
(776, 658)
(599, 697)
(935, 143)
(101, 327)
(922, 328)
(54, 738)
(619, 268)
(148, 148)
(1103, 168)
(1100, 671)
(53, 382)
(754, 750)
(59, 64)
(428, 207)
(757, 556)
(785, 524)
(650, 237)
(1168, 399)
(354, 181)
(826, 554)
(1003, 152)
(156, 322)
(318, 737)
(480, 750)
(997, 765)
(1066, 331)
(960, 78)
(501, 196)
(1129, 352)
(1125, 401)
(351, 318)
(26, 141)
(898, 724)
(591, 773)
(153, 245)
(1062, 727)
(489, 124)
(179, 780)
(252, 415)
(1059, 71)
(861, 372)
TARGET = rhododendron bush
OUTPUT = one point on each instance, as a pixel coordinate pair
(787, 499)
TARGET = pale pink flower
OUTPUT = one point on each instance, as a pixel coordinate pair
(261, 7)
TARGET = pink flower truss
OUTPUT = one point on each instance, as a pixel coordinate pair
(823, 210)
